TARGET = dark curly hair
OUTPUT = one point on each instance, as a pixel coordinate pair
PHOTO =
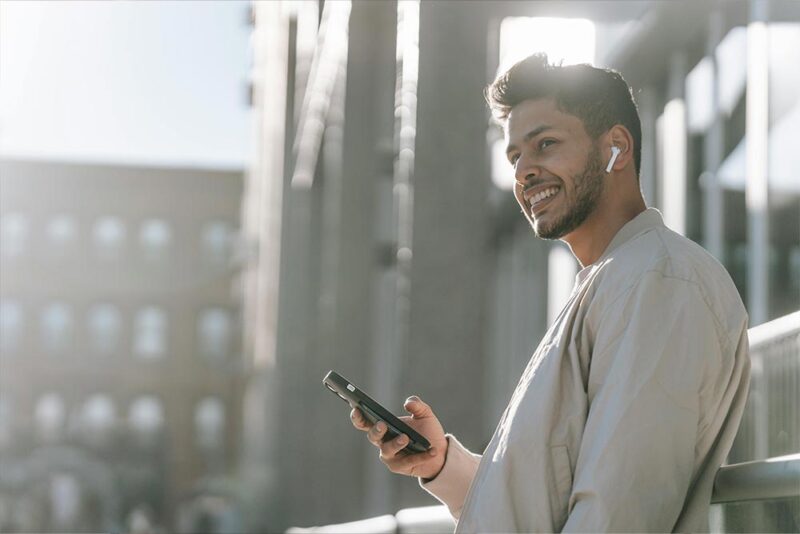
(600, 98)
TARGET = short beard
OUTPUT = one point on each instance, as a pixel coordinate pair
(588, 186)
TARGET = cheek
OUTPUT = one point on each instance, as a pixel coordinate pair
(518, 196)
(562, 164)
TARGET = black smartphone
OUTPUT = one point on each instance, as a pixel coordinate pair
(374, 412)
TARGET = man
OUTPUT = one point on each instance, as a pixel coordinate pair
(632, 400)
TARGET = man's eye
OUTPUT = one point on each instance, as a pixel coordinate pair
(544, 143)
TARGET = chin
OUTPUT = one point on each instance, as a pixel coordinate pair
(542, 229)
(548, 234)
(550, 230)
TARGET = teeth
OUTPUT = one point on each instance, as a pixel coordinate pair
(547, 193)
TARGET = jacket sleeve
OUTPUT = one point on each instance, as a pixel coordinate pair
(637, 454)
(452, 483)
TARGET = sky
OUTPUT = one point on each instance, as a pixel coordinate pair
(165, 83)
(138, 83)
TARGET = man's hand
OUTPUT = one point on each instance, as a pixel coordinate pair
(423, 464)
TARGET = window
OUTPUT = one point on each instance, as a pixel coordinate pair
(13, 234)
(108, 235)
(66, 501)
(6, 422)
(11, 325)
(209, 421)
(146, 419)
(57, 327)
(150, 333)
(97, 419)
(146, 416)
(50, 416)
(215, 333)
(62, 231)
(155, 238)
(217, 237)
(105, 328)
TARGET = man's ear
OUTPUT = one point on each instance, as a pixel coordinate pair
(618, 136)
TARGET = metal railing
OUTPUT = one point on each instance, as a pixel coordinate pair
(760, 492)
(770, 426)
(775, 478)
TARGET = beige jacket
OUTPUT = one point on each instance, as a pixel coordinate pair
(626, 409)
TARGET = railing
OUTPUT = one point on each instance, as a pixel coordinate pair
(775, 478)
(770, 426)
(761, 491)
(424, 519)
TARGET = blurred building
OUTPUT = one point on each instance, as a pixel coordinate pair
(120, 368)
(387, 244)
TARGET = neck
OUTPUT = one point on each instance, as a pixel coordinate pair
(590, 239)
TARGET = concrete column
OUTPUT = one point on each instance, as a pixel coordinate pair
(329, 472)
(368, 131)
(713, 152)
(499, 338)
(648, 106)
(262, 218)
(444, 362)
(674, 162)
(518, 315)
(757, 164)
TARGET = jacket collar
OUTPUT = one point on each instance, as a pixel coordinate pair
(646, 220)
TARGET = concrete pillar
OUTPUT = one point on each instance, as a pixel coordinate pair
(674, 162)
(518, 315)
(713, 151)
(329, 473)
(368, 130)
(757, 164)
(261, 224)
(648, 102)
(444, 362)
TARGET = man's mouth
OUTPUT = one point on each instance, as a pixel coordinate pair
(540, 199)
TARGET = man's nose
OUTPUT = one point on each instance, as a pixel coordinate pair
(525, 171)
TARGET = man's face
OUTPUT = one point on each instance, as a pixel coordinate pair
(557, 166)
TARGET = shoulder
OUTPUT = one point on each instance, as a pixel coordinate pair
(679, 271)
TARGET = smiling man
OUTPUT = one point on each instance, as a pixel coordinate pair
(631, 401)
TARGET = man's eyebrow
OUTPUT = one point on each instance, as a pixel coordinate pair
(530, 135)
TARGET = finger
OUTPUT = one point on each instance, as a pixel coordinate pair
(389, 449)
(358, 420)
(375, 434)
(417, 408)
(406, 464)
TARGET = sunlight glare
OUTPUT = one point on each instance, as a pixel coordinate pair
(565, 41)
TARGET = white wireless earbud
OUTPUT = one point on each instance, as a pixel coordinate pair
(614, 153)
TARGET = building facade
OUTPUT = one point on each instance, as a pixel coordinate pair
(120, 366)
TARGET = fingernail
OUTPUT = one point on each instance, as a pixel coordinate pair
(379, 427)
(402, 440)
(412, 398)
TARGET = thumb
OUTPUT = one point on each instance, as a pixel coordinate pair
(417, 408)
